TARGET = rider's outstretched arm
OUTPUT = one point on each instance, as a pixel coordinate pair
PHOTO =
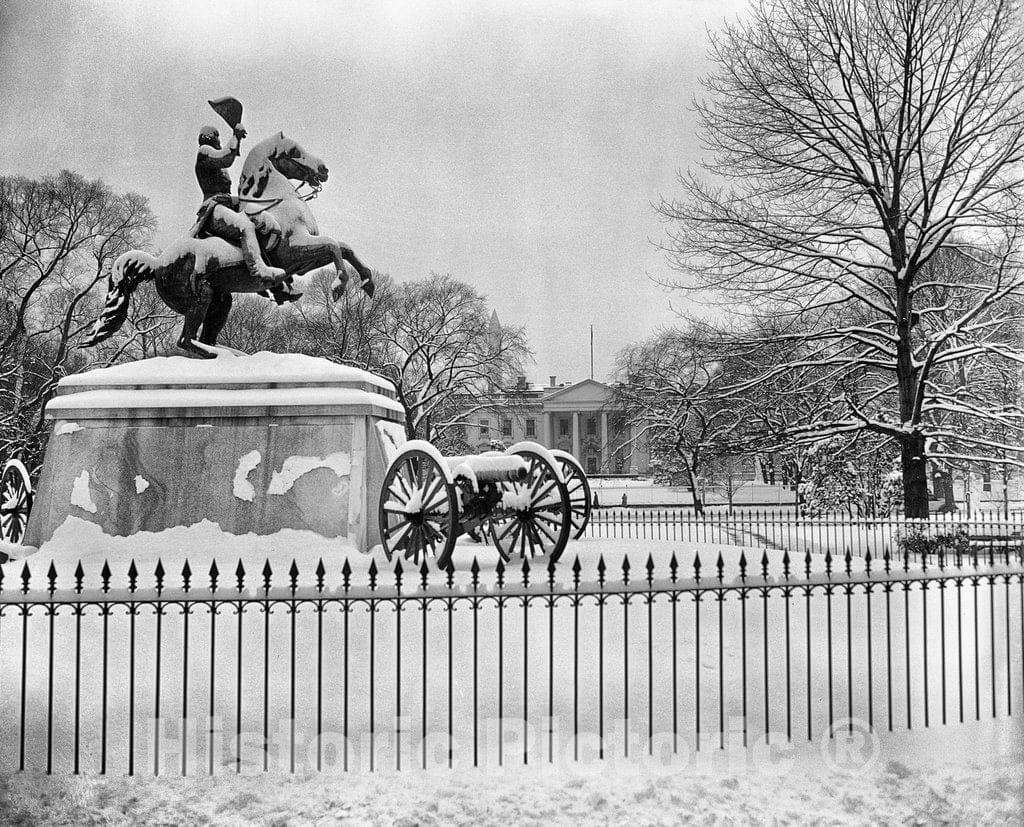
(221, 157)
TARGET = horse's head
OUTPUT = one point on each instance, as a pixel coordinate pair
(287, 157)
(292, 161)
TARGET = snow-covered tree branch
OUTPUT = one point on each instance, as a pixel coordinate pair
(860, 152)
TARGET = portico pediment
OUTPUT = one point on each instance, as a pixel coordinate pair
(586, 395)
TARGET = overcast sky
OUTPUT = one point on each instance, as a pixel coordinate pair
(517, 145)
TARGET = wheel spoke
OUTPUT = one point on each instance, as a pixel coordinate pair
(515, 537)
(431, 534)
(540, 495)
(439, 499)
(549, 520)
(434, 487)
(507, 528)
(404, 528)
(402, 491)
(539, 526)
(412, 549)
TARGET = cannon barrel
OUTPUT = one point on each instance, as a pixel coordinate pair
(491, 467)
(505, 475)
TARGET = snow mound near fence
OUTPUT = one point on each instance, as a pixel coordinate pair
(981, 791)
(78, 540)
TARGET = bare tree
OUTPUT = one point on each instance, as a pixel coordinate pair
(346, 330)
(436, 345)
(670, 397)
(58, 238)
(851, 141)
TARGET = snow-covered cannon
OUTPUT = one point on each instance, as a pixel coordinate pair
(15, 501)
(580, 499)
(519, 497)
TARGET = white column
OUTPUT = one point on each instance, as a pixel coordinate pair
(606, 449)
(545, 429)
(577, 420)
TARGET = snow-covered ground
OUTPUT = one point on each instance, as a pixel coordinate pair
(967, 775)
(784, 530)
(958, 772)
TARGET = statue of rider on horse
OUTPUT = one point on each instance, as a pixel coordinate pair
(254, 241)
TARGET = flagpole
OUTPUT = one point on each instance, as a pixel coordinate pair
(591, 351)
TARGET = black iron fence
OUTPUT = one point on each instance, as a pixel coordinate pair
(776, 529)
(341, 668)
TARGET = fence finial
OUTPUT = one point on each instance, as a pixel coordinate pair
(268, 573)
(158, 573)
(346, 575)
(320, 572)
(214, 574)
(293, 576)
(186, 577)
(133, 576)
(372, 572)
(51, 575)
(80, 576)
(474, 571)
(104, 577)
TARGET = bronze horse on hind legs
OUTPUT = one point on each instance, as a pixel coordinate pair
(197, 276)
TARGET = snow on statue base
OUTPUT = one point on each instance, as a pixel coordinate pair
(254, 443)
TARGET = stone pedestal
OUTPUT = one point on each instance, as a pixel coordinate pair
(255, 444)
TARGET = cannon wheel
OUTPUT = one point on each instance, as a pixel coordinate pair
(542, 525)
(580, 497)
(418, 508)
(15, 501)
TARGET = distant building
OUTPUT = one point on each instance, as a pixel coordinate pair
(578, 417)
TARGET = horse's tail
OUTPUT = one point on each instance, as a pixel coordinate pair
(129, 271)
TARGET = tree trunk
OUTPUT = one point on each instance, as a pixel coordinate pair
(915, 476)
(698, 503)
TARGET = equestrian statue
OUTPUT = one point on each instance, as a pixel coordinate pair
(252, 242)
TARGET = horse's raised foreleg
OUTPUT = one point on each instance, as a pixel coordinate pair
(194, 318)
(308, 252)
(365, 275)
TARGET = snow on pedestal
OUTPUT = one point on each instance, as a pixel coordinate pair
(254, 444)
